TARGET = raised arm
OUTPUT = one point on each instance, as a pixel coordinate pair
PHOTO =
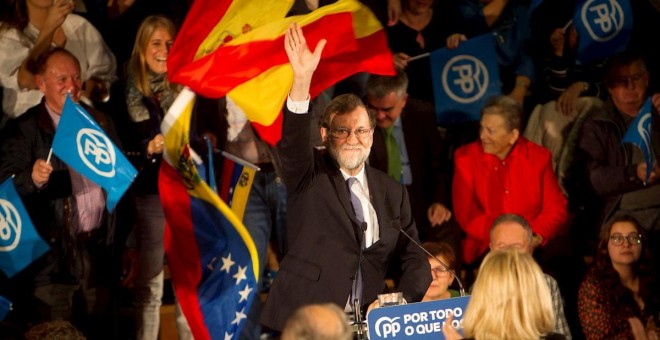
(303, 61)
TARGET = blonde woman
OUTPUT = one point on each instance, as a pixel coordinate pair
(148, 96)
(510, 300)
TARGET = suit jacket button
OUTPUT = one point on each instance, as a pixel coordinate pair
(352, 277)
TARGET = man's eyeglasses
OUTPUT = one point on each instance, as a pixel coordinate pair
(439, 271)
(633, 239)
(623, 81)
(343, 133)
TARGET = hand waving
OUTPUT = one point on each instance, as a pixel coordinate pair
(302, 60)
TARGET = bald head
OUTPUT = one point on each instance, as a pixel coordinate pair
(317, 322)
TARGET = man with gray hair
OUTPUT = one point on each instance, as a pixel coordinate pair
(408, 147)
(317, 322)
(513, 231)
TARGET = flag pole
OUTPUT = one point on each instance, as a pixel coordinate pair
(50, 153)
(423, 55)
(240, 161)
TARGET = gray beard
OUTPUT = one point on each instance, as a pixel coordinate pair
(349, 163)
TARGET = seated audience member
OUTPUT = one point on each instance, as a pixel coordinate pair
(510, 301)
(317, 322)
(67, 209)
(513, 231)
(408, 146)
(54, 330)
(509, 22)
(442, 278)
(423, 27)
(620, 284)
(566, 90)
(613, 171)
(32, 29)
(504, 172)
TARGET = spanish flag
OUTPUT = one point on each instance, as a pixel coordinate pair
(212, 257)
(251, 67)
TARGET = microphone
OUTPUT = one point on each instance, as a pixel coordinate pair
(458, 280)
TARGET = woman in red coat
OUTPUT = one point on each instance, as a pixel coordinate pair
(504, 173)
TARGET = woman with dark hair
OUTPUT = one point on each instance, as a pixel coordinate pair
(619, 286)
(442, 278)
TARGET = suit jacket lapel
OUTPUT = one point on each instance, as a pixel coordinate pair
(341, 190)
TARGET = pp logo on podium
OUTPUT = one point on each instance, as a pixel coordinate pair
(387, 327)
(10, 226)
(603, 19)
(96, 151)
(465, 79)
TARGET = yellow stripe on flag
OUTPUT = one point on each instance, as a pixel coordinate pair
(242, 192)
(176, 129)
(242, 17)
(261, 98)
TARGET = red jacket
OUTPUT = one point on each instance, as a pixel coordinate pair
(485, 187)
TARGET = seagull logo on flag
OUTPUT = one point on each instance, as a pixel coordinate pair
(96, 151)
(10, 226)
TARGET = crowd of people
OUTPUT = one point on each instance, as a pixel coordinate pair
(539, 206)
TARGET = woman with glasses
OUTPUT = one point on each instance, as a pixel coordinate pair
(619, 286)
(442, 278)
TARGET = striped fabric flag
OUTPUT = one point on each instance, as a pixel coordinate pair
(252, 67)
(211, 255)
(20, 244)
(236, 184)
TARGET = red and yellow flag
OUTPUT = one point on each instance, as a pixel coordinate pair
(251, 67)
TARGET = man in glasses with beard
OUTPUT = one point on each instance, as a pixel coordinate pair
(343, 217)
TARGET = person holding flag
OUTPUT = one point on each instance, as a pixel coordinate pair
(616, 170)
(67, 209)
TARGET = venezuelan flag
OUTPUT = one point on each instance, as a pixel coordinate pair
(212, 257)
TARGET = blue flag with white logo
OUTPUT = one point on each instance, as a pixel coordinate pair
(603, 26)
(639, 134)
(19, 242)
(464, 78)
(81, 144)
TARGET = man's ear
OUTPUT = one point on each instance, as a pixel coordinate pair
(324, 134)
(516, 135)
(40, 82)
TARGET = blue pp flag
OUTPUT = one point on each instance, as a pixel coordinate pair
(639, 134)
(19, 242)
(81, 144)
(603, 26)
(464, 78)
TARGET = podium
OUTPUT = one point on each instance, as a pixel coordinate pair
(421, 320)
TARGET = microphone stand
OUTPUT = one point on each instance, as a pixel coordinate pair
(458, 280)
(357, 311)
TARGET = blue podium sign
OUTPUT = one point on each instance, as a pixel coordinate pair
(422, 320)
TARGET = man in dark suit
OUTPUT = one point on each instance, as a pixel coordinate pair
(407, 145)
(341, 239)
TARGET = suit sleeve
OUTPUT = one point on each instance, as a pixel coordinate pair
(553, 213)
(607, 180)
(296, 151)
(416, 276)
(470, 215)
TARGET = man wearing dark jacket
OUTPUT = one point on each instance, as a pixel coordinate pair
(66, 208)
(343, 217)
